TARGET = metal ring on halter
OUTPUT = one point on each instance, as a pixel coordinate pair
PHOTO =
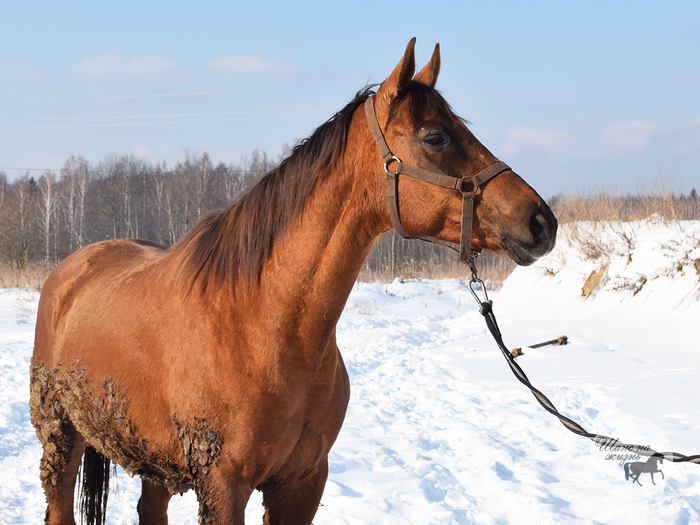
(387, 162)
(462, 187)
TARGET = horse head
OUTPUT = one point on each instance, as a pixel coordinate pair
(421, 129)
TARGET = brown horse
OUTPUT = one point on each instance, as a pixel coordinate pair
(213, 365)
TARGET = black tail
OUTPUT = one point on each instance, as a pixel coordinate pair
(627, 471)
(95, 487)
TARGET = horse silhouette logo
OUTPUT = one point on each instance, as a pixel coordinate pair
(635, 469)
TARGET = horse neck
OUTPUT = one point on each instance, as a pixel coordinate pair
(314, 265)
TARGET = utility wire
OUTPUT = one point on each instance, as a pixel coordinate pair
(50, 170)
(141, 123)
(121, 117)
(30, 169)
(163, 95)
(163, 115)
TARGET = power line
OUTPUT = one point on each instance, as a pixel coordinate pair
(131, 123)
(50, 170)
(30, 169)
(174, 115)
(165, 95)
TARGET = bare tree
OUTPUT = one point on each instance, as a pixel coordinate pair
(75, 179)
(156, 203)
(257, 164)
(47, 205)
(108, 175)
(234, 182)
(162, 205)
(196, 174)
(3, 187)
(17, 239)
(133, 177)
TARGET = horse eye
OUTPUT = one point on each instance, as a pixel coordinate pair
(435, 139)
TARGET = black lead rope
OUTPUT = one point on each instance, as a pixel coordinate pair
(486, 309)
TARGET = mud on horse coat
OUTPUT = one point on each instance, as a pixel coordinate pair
(213, 365)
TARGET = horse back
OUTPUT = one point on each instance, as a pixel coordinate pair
(91, 274)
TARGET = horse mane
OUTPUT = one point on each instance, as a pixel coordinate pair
(232, 246)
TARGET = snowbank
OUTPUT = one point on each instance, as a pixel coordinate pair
(614, 262)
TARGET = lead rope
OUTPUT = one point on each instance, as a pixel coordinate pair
(486, 309)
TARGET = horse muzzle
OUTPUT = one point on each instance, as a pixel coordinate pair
(537, 239)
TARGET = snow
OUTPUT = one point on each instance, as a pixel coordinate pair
(439, 431)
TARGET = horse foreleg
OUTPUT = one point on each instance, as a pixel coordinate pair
(62, 446)
(294, 502)
(63, 451)
(153, 503)
(222, 496)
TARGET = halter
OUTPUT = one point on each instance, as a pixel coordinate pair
(467, 187)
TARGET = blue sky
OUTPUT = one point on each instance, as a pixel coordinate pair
(575, 96)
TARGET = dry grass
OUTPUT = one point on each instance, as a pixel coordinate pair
(607, 208)
(493, 269)
(613, 204)
(31, 277)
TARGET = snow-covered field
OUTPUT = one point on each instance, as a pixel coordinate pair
(439, 431)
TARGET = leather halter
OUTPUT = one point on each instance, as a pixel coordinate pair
(467, 187)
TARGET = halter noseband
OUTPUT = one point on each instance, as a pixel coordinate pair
(467, 187)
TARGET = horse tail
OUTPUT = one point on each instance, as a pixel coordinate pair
(95, 487)
(627, 471)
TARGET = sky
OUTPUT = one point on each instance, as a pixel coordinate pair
(574, 96)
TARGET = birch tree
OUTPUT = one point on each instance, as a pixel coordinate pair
(75, 179)
(47, 206)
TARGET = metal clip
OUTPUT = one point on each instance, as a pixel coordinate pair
(476, 280)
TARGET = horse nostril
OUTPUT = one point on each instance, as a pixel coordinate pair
(538, 227)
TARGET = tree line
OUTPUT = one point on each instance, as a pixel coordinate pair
(47, 218)
(44, 219)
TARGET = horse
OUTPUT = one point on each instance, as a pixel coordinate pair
(634, 470)
(212, 364)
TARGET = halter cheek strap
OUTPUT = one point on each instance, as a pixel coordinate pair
(467, 187)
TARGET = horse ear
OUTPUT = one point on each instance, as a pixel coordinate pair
(397, 82)
(428, 75)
